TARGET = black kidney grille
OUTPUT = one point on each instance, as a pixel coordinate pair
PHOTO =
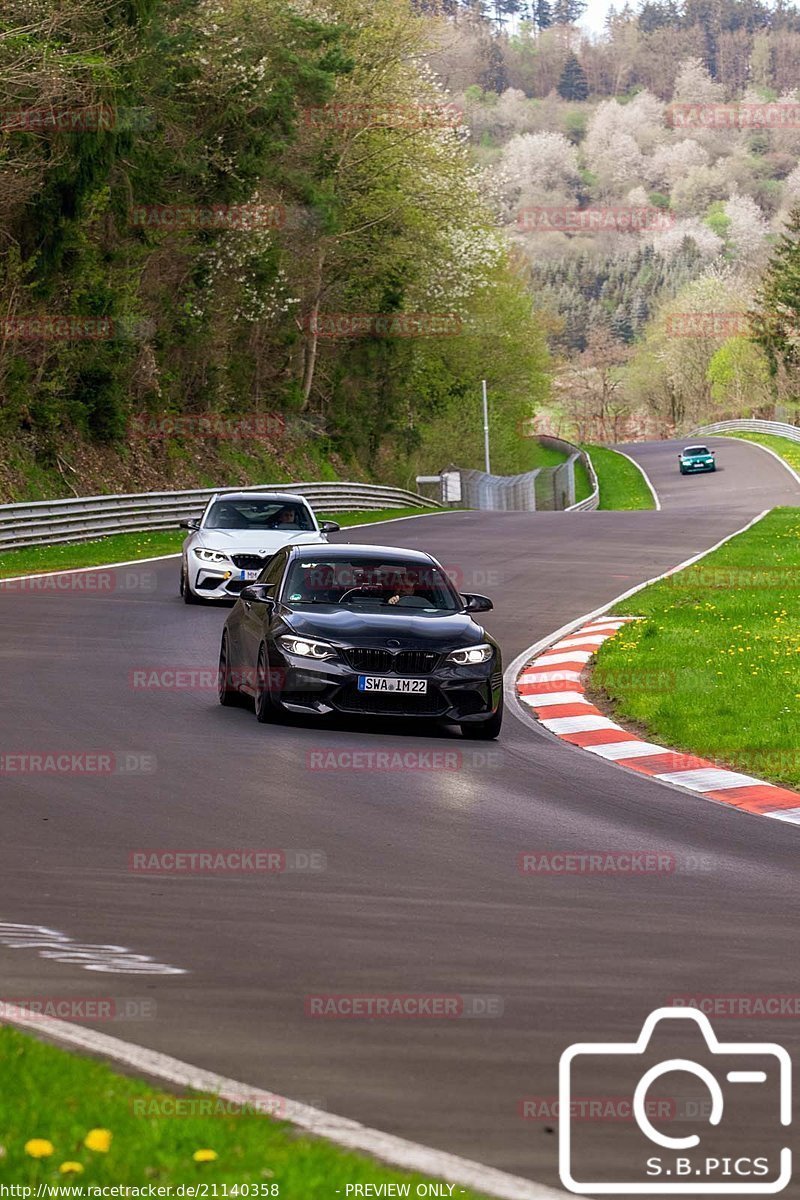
(370, 660)
(250, 562)
(415, 662)
(406, 662)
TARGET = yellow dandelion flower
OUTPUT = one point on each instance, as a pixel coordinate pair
(205, 1155)
(70, 1168)
(39, 1148)
(98, 1140)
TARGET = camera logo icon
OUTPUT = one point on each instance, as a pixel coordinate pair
(726, 1110)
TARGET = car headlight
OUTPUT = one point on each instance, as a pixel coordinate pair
(215, 556)
(307, 647)
(470, 656)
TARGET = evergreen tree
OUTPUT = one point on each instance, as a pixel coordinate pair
(573, 84)
(777, 316)
(494, 77)
(542, 14)
(568, 12)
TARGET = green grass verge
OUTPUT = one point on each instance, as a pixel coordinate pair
(125, 547)
(583, 485)
(715, 666)
(55, 1097)
(621, 484)
(537, 455)
(785, 447)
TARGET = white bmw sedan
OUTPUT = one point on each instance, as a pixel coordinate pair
(237, 535)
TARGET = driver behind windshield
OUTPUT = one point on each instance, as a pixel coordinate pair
(367, 583)
(403, 591)
(286, 516)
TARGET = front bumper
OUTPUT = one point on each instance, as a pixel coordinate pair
(458, 694)
(219, 581)
(694, 468)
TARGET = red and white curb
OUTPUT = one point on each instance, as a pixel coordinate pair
(550, 686)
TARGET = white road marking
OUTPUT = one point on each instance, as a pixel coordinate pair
(792, 815)
(133, 562)
(544, 676)
(708, 779)
(107, 960)
(545, 699)
(596, 639)
(769, 450)
(647, 478)
(396, 1151)
(578, 724)
(570, 656)
(632, 749)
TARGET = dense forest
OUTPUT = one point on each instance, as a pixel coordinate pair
(643, 174)
(203, 188)
(317, 227)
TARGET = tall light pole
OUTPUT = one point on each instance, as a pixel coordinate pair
(486, 429)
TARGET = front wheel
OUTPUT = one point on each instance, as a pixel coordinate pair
(485, 731)
(229, 697)
(265, 705)
(187, 593)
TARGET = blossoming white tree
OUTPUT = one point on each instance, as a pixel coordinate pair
(538, 168)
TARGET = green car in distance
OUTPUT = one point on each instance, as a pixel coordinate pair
(696, 458)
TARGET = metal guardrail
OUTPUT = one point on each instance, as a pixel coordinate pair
(547, 489)
(748, 425)
(45, 521)
(592, 501)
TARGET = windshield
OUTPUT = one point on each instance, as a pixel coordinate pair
(371, 583)
(258, 515)
(695, 450)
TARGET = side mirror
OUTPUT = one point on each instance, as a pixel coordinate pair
(257, 592)
(192, 523)
(329, 527)
(475, 603)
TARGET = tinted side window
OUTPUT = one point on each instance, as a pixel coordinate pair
(273, 571)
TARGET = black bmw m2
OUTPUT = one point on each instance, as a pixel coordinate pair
(368, 630)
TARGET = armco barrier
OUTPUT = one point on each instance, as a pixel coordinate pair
(748, 425)
(547, 489)
(46, 521)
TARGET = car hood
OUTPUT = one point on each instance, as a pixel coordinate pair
(242, 540)
(693, 457)
(375, 629)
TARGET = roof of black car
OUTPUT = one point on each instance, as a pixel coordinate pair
(349, 549)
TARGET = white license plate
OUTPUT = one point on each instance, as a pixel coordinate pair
(384, 683)
(249, 574)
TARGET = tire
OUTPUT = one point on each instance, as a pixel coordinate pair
(228, 697)
(682, 471)
(187, 593)
(485, 731)
(266, 707)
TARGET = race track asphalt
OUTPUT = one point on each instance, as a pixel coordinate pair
(422, 892)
